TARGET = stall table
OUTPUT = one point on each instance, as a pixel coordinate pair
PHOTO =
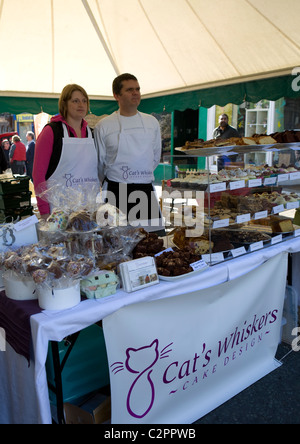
(24, 394)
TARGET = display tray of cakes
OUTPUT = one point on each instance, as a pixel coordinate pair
(217, 245)
(233, 178)
(229, 209)
(278, 140)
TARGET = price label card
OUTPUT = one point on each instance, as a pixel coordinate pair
(292, 205)
(297, 233)
(215, 257)
(221, 223)
(256, 246)
(283, 177)
(238, 251)
(242, 218)
(260, 215)
(276, 239)
(32, 220)
(270, 180)
(199, 265)
(235, 185)
(254, 183)
(278, 209)
(217, 187)
(294, 176)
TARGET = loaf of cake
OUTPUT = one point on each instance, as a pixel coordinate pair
(248, 141)
(265, 140)
(282, 226)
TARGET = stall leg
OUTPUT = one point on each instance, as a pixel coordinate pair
(58, 383)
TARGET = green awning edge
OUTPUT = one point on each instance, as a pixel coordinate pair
(251, 91)
(35, 105)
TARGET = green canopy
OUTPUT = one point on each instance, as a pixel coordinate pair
(252, 91)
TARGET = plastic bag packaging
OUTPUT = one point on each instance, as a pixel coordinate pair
(48, 265)
(108, 215)
(73, 208)
(130, 237)
(61, 273)
(111, 261)
(74, 198)
(17, 265)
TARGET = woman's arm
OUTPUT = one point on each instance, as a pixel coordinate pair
(43, 152)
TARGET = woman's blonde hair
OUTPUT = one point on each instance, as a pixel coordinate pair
(66, 95)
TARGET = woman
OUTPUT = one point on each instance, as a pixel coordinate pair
(65, 153)
(17, 156)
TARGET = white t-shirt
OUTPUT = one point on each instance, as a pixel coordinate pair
(106, 134)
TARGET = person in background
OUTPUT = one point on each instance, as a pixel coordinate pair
(64, 151)
(17, 156)
(6, 148)
(129, 150)
(3, 161)
(30, 153)
(225, 131)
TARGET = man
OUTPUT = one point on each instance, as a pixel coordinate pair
(30, 147)
(129, 149)
(225, 131)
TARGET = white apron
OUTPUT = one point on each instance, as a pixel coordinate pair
(134, 165)
(78, 163)
(135, 156)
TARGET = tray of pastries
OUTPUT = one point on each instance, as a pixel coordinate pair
(274, 225)
(282, 140)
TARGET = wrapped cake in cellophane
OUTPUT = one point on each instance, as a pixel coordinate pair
(88, 226)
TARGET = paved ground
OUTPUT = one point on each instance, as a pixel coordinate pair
(275, 399)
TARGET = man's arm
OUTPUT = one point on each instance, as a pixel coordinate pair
(157, 147)
(101, 151)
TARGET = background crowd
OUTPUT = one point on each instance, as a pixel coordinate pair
(17, 156)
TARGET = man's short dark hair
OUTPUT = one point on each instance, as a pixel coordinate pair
(117, 83)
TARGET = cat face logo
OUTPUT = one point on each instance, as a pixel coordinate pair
(8, 237)
(148, 355)
(68, 178)
(125, 170)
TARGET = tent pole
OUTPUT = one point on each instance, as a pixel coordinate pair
(101, 38)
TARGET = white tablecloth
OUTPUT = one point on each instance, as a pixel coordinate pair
(54, 326)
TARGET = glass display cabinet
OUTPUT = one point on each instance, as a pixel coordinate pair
(242, 207)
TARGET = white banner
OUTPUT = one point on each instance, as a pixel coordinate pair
(174, 360)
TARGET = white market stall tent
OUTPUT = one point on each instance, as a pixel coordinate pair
(172, 46)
